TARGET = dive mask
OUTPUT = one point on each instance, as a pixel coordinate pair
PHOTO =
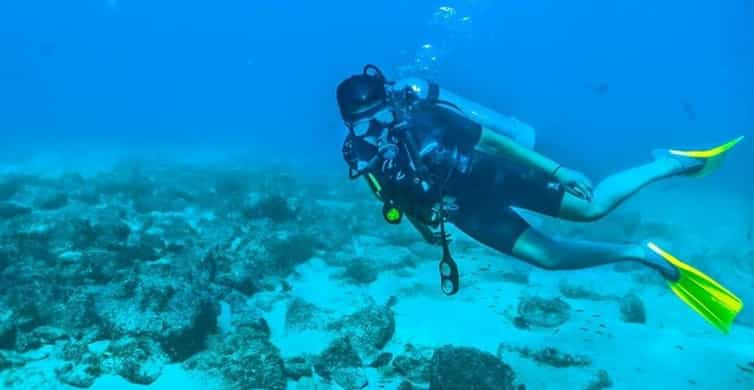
(380, 120)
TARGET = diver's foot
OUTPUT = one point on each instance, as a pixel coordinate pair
(658, 263)
(677, 164)
(697, 163)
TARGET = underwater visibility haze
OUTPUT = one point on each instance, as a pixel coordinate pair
(464, 194)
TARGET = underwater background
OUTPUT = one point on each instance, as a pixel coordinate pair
(175, 210)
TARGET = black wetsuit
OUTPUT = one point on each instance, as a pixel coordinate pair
(484, 187)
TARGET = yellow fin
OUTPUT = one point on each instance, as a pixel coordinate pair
(712, 156)
(705, 296)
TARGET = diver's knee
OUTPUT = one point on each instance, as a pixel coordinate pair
(538, 250)
(579, 210)
(594, 212)
(546, 261)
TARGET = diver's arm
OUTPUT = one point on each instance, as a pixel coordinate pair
(497, 144)
(501, 135)
(573, 181)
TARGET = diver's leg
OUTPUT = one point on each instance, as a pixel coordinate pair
(550, 253)
(708, 298)
(711, 300)
(508, 233)
(615, 189)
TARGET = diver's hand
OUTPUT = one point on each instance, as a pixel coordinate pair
(575, 183)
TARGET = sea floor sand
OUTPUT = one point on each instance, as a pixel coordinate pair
(673, 347)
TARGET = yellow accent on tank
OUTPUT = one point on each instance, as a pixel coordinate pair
(708, 298)
(374, 185)
(712, 156)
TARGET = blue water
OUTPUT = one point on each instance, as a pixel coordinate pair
(603, 82)
(243, 71)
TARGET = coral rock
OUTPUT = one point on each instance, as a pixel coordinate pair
(460, 368)
(546, 313)
(414, 364)
(632, 309)
(369, 329)
(138, 360)
(9, 210)
(340, 354)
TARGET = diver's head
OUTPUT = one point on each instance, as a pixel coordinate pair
(363, 102)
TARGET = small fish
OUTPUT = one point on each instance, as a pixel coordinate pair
(600, 88)
(688, 108)
(603, 326)
(47, 49)
(746, 369)
(598, 332)
(691, 381)
(679, 347)
(584, 329)
(595, 316)
(579, 310)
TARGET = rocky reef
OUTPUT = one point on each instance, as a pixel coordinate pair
(214, 270)
(128, 271)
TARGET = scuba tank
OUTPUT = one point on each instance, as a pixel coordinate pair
(412, 90)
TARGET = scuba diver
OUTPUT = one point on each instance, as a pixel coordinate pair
(437, 157)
